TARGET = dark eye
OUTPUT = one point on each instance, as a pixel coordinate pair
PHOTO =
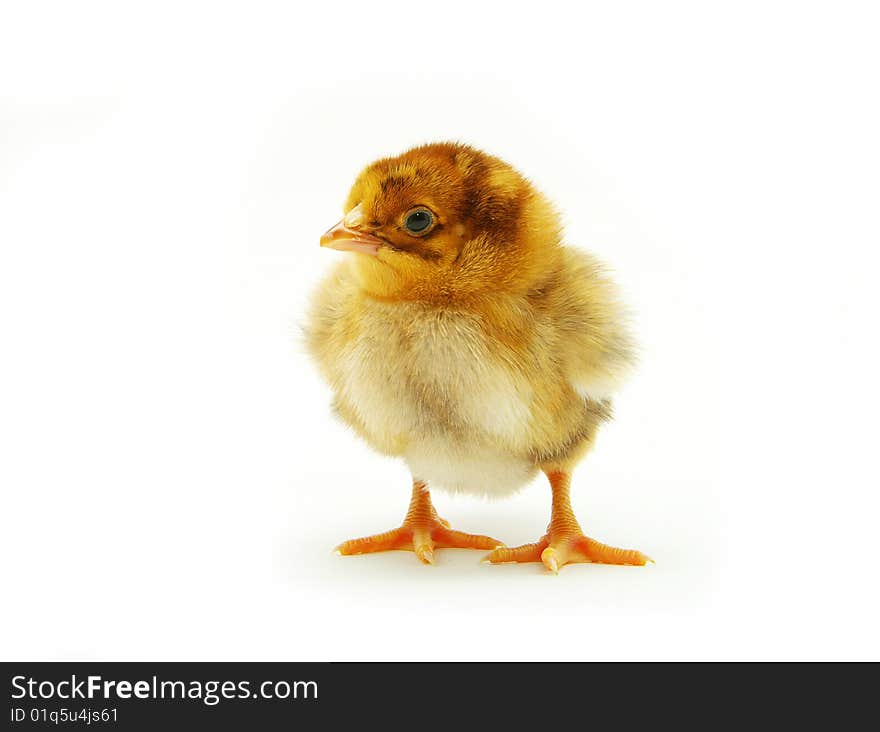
(418, 221)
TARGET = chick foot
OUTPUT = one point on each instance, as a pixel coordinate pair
(559, 549)
(565, 543)
(422, 531)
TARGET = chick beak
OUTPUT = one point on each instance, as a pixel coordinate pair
(348, 236)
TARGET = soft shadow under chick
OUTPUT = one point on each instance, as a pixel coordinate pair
(463, 337)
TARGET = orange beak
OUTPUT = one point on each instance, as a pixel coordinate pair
(347, 236)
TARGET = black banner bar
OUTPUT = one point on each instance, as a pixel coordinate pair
(150, 696)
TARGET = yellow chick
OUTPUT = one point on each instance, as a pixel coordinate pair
(462, 336)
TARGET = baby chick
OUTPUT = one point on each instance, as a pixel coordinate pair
(462, 336)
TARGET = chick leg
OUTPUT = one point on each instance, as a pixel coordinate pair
(422, 531)
(564, 542)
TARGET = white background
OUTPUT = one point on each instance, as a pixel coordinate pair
(172, 481)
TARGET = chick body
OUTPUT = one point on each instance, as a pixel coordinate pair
(475, 399)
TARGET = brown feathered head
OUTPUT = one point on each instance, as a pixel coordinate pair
(443, 221)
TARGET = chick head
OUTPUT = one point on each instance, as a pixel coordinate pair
(444, 220)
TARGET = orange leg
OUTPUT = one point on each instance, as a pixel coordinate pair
(564, 542)
(421, 532)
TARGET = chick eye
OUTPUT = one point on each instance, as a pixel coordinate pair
(418, 221)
